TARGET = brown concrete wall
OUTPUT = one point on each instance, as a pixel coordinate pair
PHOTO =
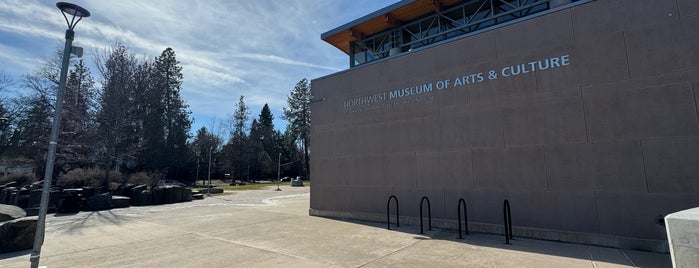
(601, 146)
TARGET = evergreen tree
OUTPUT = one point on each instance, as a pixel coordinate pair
(298, 114)
(31, 137)
(152, 109)
(240, 118)
(234, 153)
(266, 130)
(76, 133)
(264, 145)
(203, 147)
(291, 154)
(117, 115)
(168, 78)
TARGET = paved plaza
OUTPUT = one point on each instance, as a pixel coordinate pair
(268, 228)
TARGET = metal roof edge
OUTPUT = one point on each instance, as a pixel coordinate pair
(366, 18)
(491, 28)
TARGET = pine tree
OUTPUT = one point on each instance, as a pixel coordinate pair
(30, 139)
(264, 144)
(240, 118)
(152, 110)
(168, 78)
(117, 115)
(298, 114)
(234, 153)
(77, 128)
(203, 147)
(266, 129)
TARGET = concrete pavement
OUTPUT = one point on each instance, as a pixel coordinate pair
(272, 229)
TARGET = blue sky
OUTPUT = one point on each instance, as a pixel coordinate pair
(227, 48)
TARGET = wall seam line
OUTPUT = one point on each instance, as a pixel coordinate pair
(546, 169)
(584, 114)
(645, 172)
(696, 105)
(626, 53)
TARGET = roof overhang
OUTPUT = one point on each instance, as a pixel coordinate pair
(381, 20)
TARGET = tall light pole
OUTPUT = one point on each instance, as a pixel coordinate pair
(279, 172)
(78, 12)
(208, 191)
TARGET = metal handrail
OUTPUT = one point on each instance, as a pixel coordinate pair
(388, 214)
(429, 213)
(458, 209)
(508, 221)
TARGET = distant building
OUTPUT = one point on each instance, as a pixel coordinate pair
(583, 114)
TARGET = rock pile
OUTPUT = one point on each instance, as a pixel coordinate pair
(17, 230)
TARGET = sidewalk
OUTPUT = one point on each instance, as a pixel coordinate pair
(272, 229)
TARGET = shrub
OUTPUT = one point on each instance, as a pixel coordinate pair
(22, 179)
(146, 178)
(79, 178)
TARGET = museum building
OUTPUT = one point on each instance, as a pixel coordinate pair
(583, 115)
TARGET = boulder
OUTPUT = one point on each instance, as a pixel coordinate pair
(186, 194)
(137, 189)
(13, 197)
(17, 234)
(211, 190)
(157, 196)
(70, 201)
(3, 195)
(98, 202)
(145, 198)
(6, 195)
(24, 191)
(34, 198)
(8, 213)
(120, 201)
(137, 197)
(177, 194)
(9, 184)
(54, 199)
(23, 200)
(89, 192)
(296, 183)
(168, 195)
(37, 185)
(128, 189)
(35, 211)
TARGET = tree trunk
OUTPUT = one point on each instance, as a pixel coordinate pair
(105, 180)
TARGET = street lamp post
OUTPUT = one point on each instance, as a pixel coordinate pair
(78, 12)
(208, 191)
(279, 168)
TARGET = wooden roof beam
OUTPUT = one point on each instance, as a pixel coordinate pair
(436, 5)
(354, 35)
(388, 19)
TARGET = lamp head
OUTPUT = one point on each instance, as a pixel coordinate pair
(73, 10)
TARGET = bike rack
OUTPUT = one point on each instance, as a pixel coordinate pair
(458, 209)
(388, 213)
(508, 221)
(429, 213)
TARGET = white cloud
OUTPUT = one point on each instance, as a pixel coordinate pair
(259, 49)
(277, 59)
